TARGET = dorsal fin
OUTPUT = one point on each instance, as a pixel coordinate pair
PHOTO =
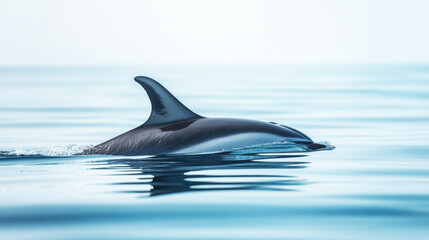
(165, 107)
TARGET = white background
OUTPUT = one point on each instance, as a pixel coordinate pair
(100, 33)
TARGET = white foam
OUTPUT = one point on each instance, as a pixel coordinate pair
(56, 151)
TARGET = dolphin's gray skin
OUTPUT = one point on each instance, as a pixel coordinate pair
(172, 128)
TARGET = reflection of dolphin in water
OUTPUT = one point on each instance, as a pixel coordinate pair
(188, 173)
(172, 128)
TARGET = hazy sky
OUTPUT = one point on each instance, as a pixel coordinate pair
(88, 32)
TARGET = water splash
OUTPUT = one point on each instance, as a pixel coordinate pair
(56, 151)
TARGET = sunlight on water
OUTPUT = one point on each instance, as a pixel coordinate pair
(372, 185)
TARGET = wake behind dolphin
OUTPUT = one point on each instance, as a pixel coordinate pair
(174, 129)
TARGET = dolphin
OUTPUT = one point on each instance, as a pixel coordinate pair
(172, 128)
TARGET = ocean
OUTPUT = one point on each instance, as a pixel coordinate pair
(373, 185)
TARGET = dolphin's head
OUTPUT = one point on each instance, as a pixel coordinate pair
(315, 146)
(301, 138)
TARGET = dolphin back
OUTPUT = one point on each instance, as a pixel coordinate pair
(174, 129)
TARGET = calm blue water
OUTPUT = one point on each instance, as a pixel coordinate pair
(374, 185)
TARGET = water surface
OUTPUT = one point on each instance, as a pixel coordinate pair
(374, 185)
